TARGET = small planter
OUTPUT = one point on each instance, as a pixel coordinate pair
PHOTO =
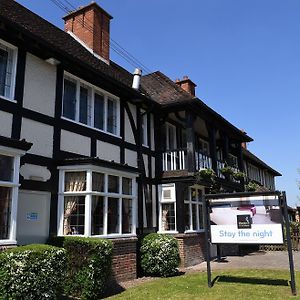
(251, 187)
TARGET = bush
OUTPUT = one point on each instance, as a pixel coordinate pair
(159, 255)
(88, 265)
(32, 272)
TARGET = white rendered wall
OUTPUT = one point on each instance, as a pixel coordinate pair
(39, 86)
(75, 143)
(145, 158)
(41, 135)
(152, 132)
(33, 217)
(129, 137)
(108, 151)
(6, 123)
(131, 158)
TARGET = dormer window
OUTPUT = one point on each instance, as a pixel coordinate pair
(88, 105)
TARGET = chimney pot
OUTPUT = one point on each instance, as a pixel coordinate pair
(136, 78)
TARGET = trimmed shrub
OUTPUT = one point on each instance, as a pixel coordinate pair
(160, 255)
(88, 265)
(32, 272)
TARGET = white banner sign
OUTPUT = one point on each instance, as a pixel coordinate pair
(253, 220)
(258, 234)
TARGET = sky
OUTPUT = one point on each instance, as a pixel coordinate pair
(244, 56)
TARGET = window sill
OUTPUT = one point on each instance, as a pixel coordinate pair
(109, 236)
(194, 231)
(8, 99)
(167, 231)
(8, 243)
(90, 127)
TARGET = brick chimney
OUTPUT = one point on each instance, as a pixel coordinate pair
(244, 144)
(187, 84)
(90, 24)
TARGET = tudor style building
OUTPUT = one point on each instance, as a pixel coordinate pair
(85, 150)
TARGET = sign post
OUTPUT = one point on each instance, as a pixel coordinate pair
(247, 218)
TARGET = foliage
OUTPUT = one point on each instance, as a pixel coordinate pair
(32, 272)
(88, 265)
(206, 174)
(251, 186)
(227, 170)
(238, 175)
(159, 255)
(243, 284)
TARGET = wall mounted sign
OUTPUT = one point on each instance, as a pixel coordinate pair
(32, 216)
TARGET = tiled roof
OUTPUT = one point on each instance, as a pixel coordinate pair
(167, 93)
(163, 90)
(255, 159)
(58, 40)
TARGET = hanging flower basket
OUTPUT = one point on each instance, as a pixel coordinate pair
(227, 171)
(238, 175)
(205, 174)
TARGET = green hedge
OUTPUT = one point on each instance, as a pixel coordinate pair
(32, 272)
(159, 255)
(88, 265)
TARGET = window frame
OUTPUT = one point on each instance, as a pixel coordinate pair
(14, 49)
(92, 90)
(14, 185)
(198, 203)
(89, 193)
(162, 201)
(144, 128)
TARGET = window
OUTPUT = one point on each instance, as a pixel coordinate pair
(167, 208)
(96, 202)
(144, 121)
(193, 209)
(203, 146)
(90, 106)
(8, 58)
(171, 142)
(9, 186)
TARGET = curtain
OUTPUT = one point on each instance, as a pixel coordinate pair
(74, 182)
(5, 202)
(3, 70)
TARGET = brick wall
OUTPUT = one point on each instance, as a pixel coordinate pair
(124, 259)
(191, 248)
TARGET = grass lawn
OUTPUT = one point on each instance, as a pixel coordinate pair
(237, 284)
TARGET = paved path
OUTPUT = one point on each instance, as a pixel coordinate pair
(256, 260)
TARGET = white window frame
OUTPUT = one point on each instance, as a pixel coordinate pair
(168, 126)
(14, 185)
(90, 117)
(14, 50)
(162, 201)
(198, 203)
(89, 169)
(144, 125)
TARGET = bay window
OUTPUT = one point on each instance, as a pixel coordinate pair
(88, 105)
(193, 209)
(8, 58)
(9, 186)
(96, 202)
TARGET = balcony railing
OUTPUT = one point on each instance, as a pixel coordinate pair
(175, 160)
(203, 161)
